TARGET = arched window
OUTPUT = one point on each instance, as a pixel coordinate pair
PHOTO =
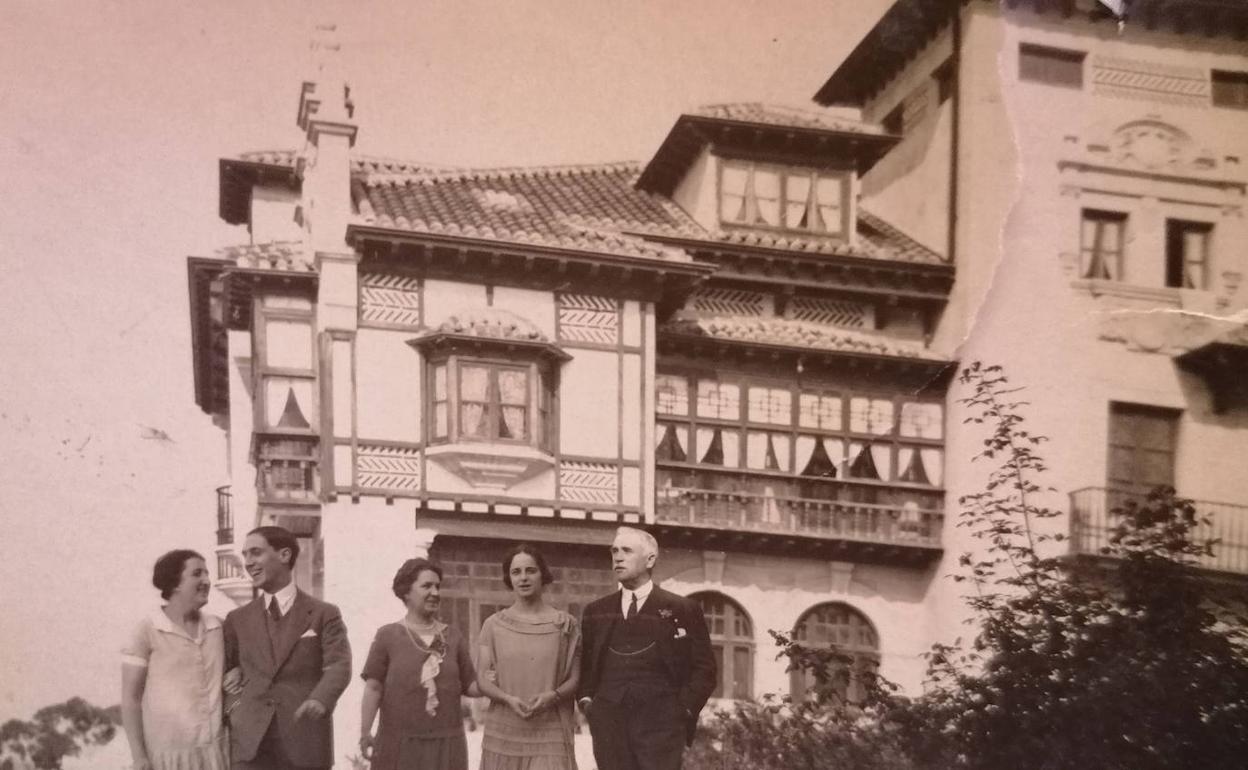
(732, 642)
(849, 631)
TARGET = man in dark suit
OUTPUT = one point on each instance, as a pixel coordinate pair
(295, 662)
(646, 664)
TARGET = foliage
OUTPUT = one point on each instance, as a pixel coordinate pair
(55, 733)
(1132, 661)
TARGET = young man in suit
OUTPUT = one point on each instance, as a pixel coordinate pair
(646, 664)
(295, 660)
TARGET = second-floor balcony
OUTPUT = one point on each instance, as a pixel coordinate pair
(1092, 522)
(832, 525)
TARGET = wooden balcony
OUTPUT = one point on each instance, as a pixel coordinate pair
(831, 528)
(287, 469)
(1092, 522)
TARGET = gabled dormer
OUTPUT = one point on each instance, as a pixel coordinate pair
(780, 173)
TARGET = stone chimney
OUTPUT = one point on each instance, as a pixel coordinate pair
(326, 116)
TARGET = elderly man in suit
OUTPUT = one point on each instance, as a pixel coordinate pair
(295, 660)
(646, 664)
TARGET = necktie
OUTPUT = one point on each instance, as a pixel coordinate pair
(275, 612)
(632, 609)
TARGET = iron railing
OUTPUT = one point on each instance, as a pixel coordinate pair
(1092, 522)
(829, 519)
(225, 516)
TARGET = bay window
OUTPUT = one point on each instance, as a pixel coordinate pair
(482, 400)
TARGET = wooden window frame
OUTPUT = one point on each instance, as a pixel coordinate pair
(842, 176)
(1122, 409)
(1178, 259)
(729, 643)
(1228, 89)
(1089, 253)
(744, 426)
(862, 655)
(540, 407)
(262, 371)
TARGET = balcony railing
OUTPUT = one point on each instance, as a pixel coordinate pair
(225, 516)
(228, 567)
(827, 519)
(1092, 523)
(287, 469)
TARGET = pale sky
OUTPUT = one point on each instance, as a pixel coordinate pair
(113, 115)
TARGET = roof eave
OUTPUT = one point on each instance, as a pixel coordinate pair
(236, 177)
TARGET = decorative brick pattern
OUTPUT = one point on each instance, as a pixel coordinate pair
(589, 482)
(732, 302)
(832, 312)
(386, 467)
(389, 299)
(1149, 81)
(587, 318)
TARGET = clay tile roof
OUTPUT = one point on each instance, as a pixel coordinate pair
(491, 323)
(789, 117)
(802, 335)
(876, 240)
(359, 163)
(281, 256)
(589, 208)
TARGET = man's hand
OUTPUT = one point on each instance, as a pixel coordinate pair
(366, 745)
(586, 704)
(313, 709)
(233, 682)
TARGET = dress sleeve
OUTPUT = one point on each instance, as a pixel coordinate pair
(378, 661)
(485, 657)
(138, 647)
(574, 650)
(467, 674)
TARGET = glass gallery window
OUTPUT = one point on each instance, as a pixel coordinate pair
(806, 432)
(756, 194)
(286, 413)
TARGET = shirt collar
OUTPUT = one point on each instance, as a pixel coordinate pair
(285, 597)
(642, 591)
(162, 623)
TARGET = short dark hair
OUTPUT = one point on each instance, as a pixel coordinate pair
(279, 538)
(167, 574)
(547, 577)
(407, 574)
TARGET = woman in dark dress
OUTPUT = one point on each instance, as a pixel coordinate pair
(416, 671)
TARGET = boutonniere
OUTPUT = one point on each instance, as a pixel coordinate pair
(438, 646)
(666, 614)
(680, 633)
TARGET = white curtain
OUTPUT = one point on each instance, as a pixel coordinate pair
(934, 464)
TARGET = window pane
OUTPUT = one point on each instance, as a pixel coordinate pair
(796, 200)
(1055, 66)
(439, 383)
(474, 383)
(767, 196)
(871, 415)
(919, 420)
(474, 421)
(770, 405)
(439, 420)
(289, 403)
(513, 386)
(821, 412)
(767, 451)
(732, 202)
(671, 395)
(830, 192)
(288, 344)
(515, 423)
(741, 674)
(719, 400)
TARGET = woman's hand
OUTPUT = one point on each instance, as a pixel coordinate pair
(519, 706)
(366, 745)
(141, 764)
(543, 701)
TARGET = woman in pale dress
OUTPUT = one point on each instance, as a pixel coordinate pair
(171, 674)
(528, 665)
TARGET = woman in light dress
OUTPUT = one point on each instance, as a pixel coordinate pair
(528, 663)
(171, 674)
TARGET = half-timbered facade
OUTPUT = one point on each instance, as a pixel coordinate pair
(746, 344)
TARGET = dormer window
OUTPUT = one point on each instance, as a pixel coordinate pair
(756, 194)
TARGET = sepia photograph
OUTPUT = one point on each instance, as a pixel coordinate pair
(567, 385)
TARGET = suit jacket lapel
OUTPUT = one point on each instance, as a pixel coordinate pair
(293, 626)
